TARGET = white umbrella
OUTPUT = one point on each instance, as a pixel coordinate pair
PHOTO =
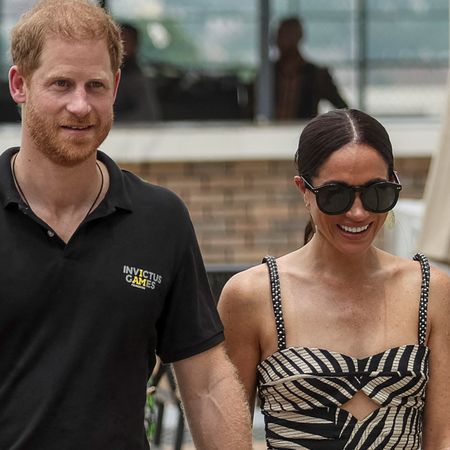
(434, 239)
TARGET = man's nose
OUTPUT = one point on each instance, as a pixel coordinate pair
(79, 103)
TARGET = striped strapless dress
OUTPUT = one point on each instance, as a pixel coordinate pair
(303, 389)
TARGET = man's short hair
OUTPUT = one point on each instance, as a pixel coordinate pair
(76, 20)
(292, 23)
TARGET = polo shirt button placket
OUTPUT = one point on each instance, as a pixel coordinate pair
(50, 233)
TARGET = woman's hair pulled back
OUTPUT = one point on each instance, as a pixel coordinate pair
(331, 131)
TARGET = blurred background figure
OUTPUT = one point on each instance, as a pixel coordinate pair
(136, 98)
(300, 84)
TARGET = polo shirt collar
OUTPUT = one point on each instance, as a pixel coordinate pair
(8, 191)
(116, 198)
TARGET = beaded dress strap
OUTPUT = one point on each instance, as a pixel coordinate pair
(276, 300)
(423, 306)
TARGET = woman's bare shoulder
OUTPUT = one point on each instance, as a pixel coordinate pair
(244, 305)
(406, 269)
(247, 287)
(411, 268)
(411, 275)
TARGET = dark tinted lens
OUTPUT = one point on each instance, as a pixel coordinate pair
(334, 199)
(380, 197)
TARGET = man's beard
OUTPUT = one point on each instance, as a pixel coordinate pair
(65, 150)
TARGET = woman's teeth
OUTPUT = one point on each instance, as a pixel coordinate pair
(354, 229)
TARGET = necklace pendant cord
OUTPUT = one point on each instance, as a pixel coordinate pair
(102, 180)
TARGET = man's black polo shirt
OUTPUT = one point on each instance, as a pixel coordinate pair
(79, 323)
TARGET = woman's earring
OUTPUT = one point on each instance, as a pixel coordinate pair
(390, 220)
(305, 199)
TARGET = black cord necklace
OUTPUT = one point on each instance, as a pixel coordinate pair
(13, 170)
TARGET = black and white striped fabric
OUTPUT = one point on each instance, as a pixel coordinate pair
(302, 390)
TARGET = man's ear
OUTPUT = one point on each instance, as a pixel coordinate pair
(116, 82)
(17, 85)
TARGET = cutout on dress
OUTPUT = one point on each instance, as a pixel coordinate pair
(360, 406)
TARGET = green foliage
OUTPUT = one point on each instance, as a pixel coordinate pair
(150, 412)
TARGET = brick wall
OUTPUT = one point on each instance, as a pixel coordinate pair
(243, 210)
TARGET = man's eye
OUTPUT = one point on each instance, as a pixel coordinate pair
(61, 83)
(96, 84)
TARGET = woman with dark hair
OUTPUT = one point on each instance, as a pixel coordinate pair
(347, 345)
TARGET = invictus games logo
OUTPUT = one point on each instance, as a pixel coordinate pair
(141, 278)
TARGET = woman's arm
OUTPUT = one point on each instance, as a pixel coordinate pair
(436, 434)
(238, 309)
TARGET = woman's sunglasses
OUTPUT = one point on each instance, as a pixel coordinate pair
(338, 198)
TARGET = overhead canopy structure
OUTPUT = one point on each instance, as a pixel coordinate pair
(434, 239)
